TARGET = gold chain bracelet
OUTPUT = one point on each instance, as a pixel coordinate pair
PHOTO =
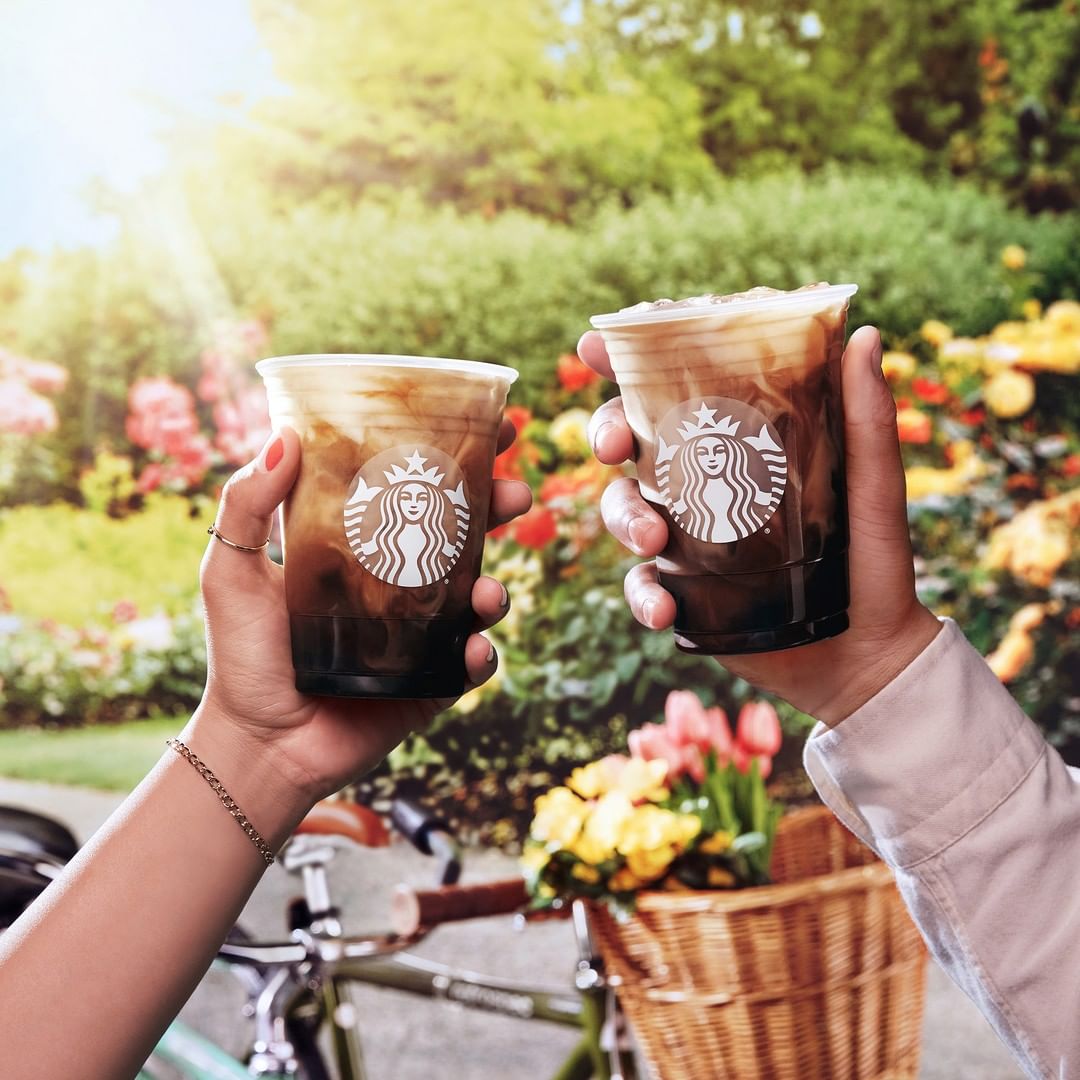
(226, 799)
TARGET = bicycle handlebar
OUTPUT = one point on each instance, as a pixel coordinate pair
(411, 909)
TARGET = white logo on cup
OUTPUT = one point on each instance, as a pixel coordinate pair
(407, 515)
(720, 468)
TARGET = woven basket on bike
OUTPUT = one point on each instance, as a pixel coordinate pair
(821, 974)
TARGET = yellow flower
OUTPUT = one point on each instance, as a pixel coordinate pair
(1036, 543)
(1064, 316)
(716, 844)
(1059, 354)
(1028, 618)
(569, 431)
(603, 828)
(559, 816)
(1010, 332)
(720, 879)
(644, 780)
(898, 366)
(967, 467)
(649, 865)
(1012, 655)
(1009, 393)
(1013, 257)
(593, 780)
(623, 880)
(534, 858)
(652, 827)
(1032, 309)
(935, 332)
(589, 874)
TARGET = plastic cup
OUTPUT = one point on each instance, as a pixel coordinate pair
(737, 411)
(384, 528)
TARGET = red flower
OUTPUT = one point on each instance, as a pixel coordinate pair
(972, 417)
(574, 375)
(930, 391)
(536, 529)
(1071, 465)
(757, 730)
(508, 463)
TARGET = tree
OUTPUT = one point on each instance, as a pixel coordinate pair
(485, 105)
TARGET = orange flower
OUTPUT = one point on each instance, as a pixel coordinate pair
(508, 463)
(536, 529)
(913, 426)
(574, 375)
(930, 391)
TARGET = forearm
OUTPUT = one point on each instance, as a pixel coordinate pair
(116, 945)
(954, 786)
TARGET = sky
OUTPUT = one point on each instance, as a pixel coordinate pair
(88, 86)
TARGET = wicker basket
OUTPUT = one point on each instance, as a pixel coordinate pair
(820, 975)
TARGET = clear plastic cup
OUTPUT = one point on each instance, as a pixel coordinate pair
(736, 407)
(384, 528)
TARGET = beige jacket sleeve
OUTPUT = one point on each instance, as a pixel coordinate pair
(947, 779)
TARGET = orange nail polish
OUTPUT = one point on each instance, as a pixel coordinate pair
(274, 453)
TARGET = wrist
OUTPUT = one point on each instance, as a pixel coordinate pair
(886, 657)
(253, 771)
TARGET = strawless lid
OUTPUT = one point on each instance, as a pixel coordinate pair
(702, 307)
(275, 364)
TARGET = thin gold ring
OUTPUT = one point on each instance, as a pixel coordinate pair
(213, 531)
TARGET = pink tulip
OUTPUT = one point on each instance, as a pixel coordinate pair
(651, 741)
(758, 729)
(743, 761)
(693, 763)
(719, 734)
(685, 719)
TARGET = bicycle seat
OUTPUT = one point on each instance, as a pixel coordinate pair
(34, 834)
(33, 837)
(337, 817)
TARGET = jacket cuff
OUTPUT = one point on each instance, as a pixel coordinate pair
(928, 757)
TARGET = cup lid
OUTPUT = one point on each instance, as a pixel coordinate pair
(273, 364)
(798, 297)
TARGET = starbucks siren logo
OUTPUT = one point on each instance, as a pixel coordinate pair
(720, 468)
(407, 515)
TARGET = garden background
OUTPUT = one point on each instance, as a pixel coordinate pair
(461, 178)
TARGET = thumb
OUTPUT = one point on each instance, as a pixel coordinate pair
(877, 502)
(253, 492)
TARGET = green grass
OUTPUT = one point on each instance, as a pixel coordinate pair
(111, 758)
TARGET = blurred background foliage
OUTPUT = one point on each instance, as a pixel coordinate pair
(453, 177)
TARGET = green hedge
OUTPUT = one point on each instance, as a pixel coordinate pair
(514, 288)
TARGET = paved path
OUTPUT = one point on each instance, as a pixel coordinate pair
(405, 1035)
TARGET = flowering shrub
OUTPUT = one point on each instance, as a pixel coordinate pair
(161, 420)
(686, 810)
(111, 671)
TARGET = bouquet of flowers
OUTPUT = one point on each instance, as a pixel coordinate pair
(687, 809)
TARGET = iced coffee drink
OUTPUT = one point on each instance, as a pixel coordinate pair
(384, 528)
(736, 407)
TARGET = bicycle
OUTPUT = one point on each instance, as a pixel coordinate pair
(299, 988)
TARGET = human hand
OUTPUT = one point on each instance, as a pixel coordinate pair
(251, 711)
(888, 626)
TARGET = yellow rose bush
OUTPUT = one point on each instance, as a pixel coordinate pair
(990, 427)
(686, 809)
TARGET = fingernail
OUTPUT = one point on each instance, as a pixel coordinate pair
(875, 360)
(647, 610)
(491, 653)
(271, 454)
(606, 426)
(639, 532)
(505, 601)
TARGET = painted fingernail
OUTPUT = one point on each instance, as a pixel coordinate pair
(639, 532)
(647, 610)
(272, 453)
